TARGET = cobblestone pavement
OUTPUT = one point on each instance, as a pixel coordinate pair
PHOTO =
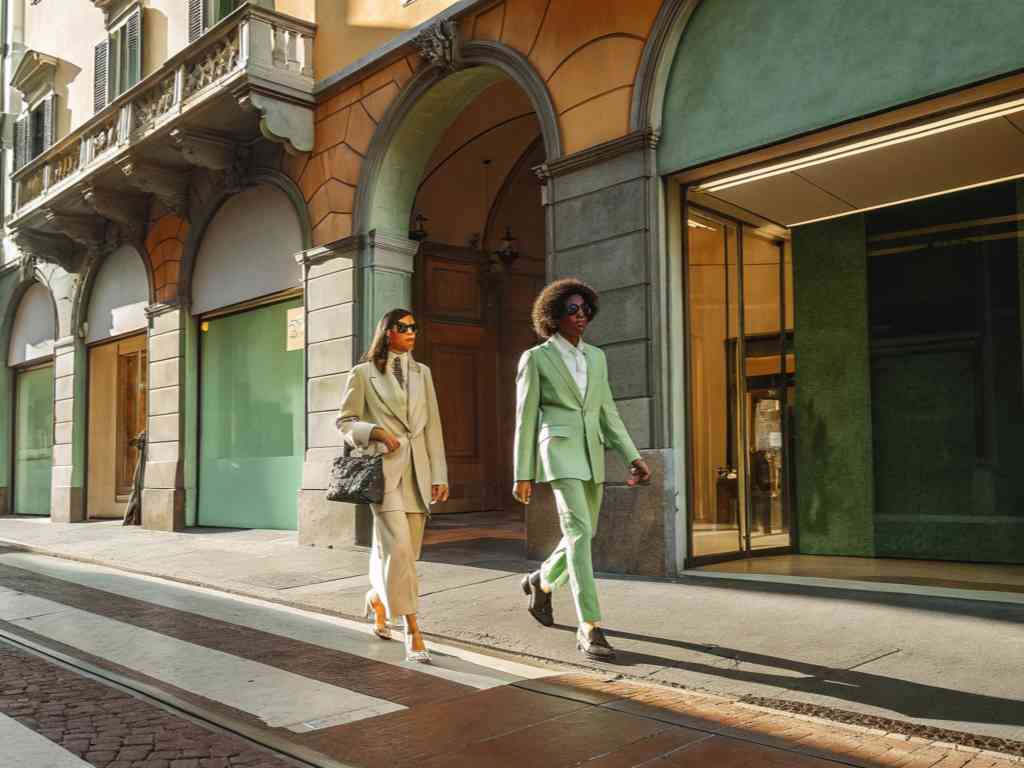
(109, 728)
(327, 690)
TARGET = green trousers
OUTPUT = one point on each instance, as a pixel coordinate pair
(579, 503)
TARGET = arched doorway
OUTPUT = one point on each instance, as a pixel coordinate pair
(30, 355)
(454, 164)
(246, 296)
(116, 339)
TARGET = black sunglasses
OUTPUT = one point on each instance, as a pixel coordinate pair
(573, 308)
(403, 328)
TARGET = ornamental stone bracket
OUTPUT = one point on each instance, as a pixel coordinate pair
(37, 247)
(204, 150)
(128, 211)
(169, 186)
(282, 122)
(440, 46)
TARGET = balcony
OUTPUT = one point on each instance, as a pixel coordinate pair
(248, 78)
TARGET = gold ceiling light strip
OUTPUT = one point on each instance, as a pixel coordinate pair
(891, 203)
(849, 150)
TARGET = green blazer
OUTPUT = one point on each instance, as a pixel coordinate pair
(559, 434)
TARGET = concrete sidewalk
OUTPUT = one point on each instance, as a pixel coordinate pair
(935, 661)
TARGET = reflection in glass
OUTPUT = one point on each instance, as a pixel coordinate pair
(741, 364)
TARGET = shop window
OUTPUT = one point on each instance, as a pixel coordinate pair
(947, 396)
(118, 59)
(203, 14)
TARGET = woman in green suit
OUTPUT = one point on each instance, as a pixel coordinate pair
(565, 418)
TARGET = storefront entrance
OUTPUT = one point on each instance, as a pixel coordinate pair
(251, 405)
(117, 414)
(742, 372)
(33, 440)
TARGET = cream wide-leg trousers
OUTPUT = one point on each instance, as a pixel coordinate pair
(398, 524)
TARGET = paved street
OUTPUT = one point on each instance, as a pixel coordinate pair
(933, 661)
(100, 667)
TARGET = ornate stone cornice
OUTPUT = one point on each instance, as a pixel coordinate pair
(439, 45)
(631, 142)
(346, 248)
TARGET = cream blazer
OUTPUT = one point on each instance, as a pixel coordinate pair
(373, 399)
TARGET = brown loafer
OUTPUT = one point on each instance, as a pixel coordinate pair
(595, 645)
(540, 601)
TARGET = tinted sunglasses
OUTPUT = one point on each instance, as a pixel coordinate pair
(572, 309)
(403, 328)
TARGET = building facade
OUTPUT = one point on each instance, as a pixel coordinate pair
(802, 221)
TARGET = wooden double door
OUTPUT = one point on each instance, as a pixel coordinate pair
(474, 324)
(117, 413)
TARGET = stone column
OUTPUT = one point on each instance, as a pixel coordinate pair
(163, 493)
(329, 288)
(69, 417)
(602, 227)
(386, 263)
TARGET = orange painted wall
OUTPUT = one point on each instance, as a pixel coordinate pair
(165, 243)
(345, 125)
(586, 52)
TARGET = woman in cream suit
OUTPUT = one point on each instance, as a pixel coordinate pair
(390, 407)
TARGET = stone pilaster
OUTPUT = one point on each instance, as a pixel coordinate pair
(66, 496)
(163, 494)
(602, 219)
(386, 263)
(329, 277)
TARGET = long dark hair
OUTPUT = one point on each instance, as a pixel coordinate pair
(378, 351)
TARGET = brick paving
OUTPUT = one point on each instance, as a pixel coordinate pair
(555, 722)
(108, 728)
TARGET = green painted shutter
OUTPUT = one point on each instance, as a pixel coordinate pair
(251, 421)
(33, 442)
(133, 67)
(101, 78)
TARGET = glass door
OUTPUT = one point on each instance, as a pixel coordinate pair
(741, 378)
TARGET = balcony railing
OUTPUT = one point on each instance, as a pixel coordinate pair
(273, 51)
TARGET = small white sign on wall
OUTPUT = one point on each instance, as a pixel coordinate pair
(296, 329)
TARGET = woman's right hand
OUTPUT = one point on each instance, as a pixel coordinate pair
(523, 490)
(381, 435)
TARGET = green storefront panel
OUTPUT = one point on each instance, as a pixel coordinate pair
(251, 421)
(33, 442)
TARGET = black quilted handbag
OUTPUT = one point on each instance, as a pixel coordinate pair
(356, 479)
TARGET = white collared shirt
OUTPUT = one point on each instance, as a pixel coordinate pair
(575, 360)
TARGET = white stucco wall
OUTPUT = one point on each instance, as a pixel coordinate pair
(119, 297)
(70, 30)
(34, 331)
(248, 250)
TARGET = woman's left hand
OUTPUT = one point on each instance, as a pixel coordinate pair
(438, 493)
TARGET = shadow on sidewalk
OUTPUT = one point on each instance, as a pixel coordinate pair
(915, 700)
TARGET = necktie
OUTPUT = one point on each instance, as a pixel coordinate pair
(396, 368)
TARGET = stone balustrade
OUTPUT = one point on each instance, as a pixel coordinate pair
(253, 43)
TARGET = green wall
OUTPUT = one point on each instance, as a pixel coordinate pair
(834, 467)
(252, 421)
(751, 72)
(9, 280)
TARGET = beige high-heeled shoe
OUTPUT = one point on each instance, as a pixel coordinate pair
(420, 657)
(384, 633)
